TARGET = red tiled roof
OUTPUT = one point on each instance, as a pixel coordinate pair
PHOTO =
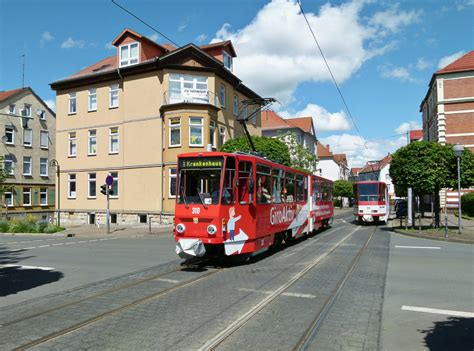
(416, 134)
(220, 44)
(355, 170)
(6, 94)
(323, 151)
(270, 120)
(376, 166)
(304, 123)
(340, 158)
(464, 63)
(107, 64)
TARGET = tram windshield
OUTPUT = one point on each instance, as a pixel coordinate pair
(368, 192)
(199, 180)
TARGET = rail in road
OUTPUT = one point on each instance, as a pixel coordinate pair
(140, 292)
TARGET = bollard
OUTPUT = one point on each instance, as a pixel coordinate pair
(149, 224)
(445, 226)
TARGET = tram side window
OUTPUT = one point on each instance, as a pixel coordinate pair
(324, 191)
(290, 188)
(382, 192)
(245, 182)
(302, 187)
(277, 186)
(263, 184)
(228, 186)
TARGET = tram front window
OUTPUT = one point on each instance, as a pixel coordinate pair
(199, 185)
(368, 192)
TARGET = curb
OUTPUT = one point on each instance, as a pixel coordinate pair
(449, 239)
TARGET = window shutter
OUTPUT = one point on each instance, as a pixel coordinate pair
(18, 196)
(35, 201)
(51, 194)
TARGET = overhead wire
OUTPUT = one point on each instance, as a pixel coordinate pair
(332, 75)
(146, 24)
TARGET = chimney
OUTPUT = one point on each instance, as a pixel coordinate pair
(328, 147)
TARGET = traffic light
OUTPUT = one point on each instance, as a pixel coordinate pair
(103, 189)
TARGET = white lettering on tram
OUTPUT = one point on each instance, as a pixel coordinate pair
(278, 216)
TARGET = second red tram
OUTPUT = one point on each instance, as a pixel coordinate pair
(235, 203)
(371, 201)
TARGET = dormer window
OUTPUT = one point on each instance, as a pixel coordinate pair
(227, 61)
(129, 54)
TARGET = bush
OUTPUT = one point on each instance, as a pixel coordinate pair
(23, 227)
(52, 228)
(337, 202)
(41, 226)
(467, 204)
(4, 226)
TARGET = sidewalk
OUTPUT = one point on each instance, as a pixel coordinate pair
(427, 230)
(122, 231)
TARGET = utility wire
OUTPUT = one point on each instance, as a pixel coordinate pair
(146, 24)
(330, 72)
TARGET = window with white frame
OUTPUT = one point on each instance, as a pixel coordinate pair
(227, 61)
(10, 134)
(41, 114)
(9, 198)
(92, 191)
(27, 137)
(26, 110)
(92, 142)
(195, 131)
(114, 186)
(72, 103)
(26, 196)
(113, 140)
(246, 111)
(222, 95)
(27, 165)
(188, 88)
(9, 164)
(92, 105)
(44, 139)
(72, 142)
(129, 54)
(175, 131)
(114, 95)
(43, 196)
(172, 182)
(221, 136)
(43, 167)
(11, 109)
(71, 186)
(235, 105)
(212, 133)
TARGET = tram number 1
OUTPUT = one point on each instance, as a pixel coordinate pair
(195, 210)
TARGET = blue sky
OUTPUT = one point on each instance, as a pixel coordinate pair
(383, 53)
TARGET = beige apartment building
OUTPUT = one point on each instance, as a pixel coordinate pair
(28, 147)
(131, 114)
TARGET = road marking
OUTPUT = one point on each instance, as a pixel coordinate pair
(438, 311)
(58, 244)
(44, 246)
(418, 247)
(266, 292)
(174, 281)
(26, 267)
(29, 248)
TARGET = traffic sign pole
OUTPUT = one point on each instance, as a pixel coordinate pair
(108, 210)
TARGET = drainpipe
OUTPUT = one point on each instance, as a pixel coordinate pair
(162, 166)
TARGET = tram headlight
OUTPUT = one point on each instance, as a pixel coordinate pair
(211, 229)
(180, 228)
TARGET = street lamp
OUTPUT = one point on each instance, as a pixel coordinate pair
(54, 163)
(458, 151)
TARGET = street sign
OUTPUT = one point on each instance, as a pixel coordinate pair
(109, 180)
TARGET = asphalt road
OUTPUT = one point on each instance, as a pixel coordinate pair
(347, 288)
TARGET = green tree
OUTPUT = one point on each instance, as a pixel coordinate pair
(427, 167)
(271, 148)
(300, 156)
(342, 188)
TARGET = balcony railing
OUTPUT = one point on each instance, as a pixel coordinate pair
(193, 96)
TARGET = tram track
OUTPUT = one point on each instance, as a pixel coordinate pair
(239, 323)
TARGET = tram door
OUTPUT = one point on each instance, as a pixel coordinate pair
(245, 205)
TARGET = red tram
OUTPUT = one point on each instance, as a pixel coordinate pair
(229, 204)
(371, 201)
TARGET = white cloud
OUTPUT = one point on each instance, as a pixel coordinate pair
(200, 38)
(182, 27)
(110, 46)
(51, 104)
(407, 126)
(422, 64)
(323, 120)
(400, 73)
(71, 43)
(153, 37)
(46, 37)
(393, 19)
(274, 59)
(446, 60)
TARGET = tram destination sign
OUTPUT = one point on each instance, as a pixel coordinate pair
(196, 163)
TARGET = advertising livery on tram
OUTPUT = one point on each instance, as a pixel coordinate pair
(235, 203)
